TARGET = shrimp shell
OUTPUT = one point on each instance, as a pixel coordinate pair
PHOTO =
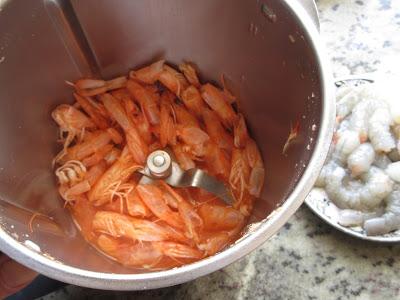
(147, 102)
(190, 217)
(192, 99)
(119, 172)
(78, 152)
(239, 175)
(71, 172)
(100, 121)
(173, 80)
(137, 255)
(216, 131)
(190, 74)
(92, 87)
(135, 142)
(184, 159)
(152, 196)
(119, 225)
(76, 190)
(95, 172)
(167, 126)
(215, 99)
(240, 132)
(176, 250)
(69, 118)
(216, 217)
(135, 205)
(148, 74)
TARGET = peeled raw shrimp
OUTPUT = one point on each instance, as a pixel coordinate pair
(148, 74)
(117, 174)
(190, 74)
(393, 170)
(367, 195)
(361, 114)
(350, 217)
(361, 159)
(346, 143)
(379, 130)
(93, 87)
(347, 99)
(152, 196)
(326, 171)
(342, 126)
(94, 112)
(389, 221)
(382, 161)
(215, 98)
(136, 145)
(216, 131)
(173, 80)
(146, 100)
(192, 99)
(119, 225)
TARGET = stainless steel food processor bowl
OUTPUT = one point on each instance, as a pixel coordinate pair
(269, 51)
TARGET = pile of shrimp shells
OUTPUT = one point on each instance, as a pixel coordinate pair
(361, 175)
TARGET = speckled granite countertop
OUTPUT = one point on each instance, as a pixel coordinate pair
(308, 259)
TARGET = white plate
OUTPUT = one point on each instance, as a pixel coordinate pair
(318, 201)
